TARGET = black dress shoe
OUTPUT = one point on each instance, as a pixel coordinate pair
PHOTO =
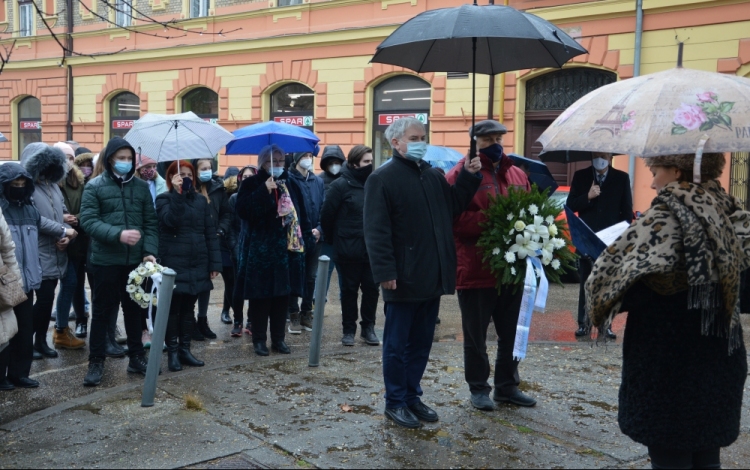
(261, 349)
(6, 385)
(423, 412)
(611, 334)
(517, 398)
(403, 417)
(24, 382)
(225, 318)
(81, 330)
(280, 347)
(582, 331)
(112, 349)
(43, 348)
(37, 355)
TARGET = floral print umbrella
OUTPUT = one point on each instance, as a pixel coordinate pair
(666, 113)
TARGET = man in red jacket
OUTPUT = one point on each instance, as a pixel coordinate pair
(478, 297)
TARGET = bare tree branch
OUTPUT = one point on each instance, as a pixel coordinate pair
(166, 24)
(6, 59)
(103, 18)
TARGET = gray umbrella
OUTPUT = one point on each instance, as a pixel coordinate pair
(487, 39)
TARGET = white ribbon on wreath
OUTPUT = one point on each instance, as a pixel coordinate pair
(534, 299)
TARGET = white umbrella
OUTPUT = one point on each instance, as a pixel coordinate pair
(3, 138)
(169, 137)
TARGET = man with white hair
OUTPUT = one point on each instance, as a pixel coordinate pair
(408, 219)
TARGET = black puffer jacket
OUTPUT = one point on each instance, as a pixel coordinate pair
(680, 390)
(330, 154)
(188, 240)
(342, 217)
(221, 213)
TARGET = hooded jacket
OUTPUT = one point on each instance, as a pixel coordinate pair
(25, 225)
(471, 271)
(313, 190)
(331, 152)
(47, 166)
(343, 220)
(221, 214)
(112, 204)
(8, 323)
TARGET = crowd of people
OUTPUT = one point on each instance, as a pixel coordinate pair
(72, 214)
(406, 230)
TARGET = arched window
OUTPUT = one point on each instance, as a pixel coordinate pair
(202, 101)
(124, 110)
(29, 122)
(395, 98)
(294, 104)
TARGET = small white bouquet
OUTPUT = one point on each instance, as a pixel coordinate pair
(141, 284)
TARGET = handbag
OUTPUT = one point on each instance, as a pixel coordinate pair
(11, 288)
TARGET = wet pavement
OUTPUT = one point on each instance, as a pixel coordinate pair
(278, 412)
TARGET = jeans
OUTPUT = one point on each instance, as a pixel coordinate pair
(407, 341)
(275, 309)
(72, 292)
(353, 277)
(108, 295)
(664, 458)
(16, 358)
(45, 298)
(585, 265)
(311, 273)
(478, 306)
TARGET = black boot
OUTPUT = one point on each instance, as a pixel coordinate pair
(184, 354)
(225, 318)
(204, 329)
(170, 340)
(111, 348)
(196, 332)
(41, 346)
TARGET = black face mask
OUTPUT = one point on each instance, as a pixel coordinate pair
(362, 173)
(15, 193)
(187, 183)
(494, 152)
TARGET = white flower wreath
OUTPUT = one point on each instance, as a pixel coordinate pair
(138, 282)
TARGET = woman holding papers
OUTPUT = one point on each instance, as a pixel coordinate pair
(676, 271)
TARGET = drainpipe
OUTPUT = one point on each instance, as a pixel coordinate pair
(636, 72)
(69, 41)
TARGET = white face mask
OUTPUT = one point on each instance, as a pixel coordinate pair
(600, 163)
(335, 169)
(305, 163)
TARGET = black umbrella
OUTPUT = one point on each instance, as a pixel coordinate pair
(488, 39)
(565, 156)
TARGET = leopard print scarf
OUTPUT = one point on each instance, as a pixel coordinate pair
(694, 238)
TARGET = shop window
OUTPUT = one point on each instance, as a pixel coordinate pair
(29, 122)
(396, 98)
(286, 3)
(294, 104)
(26, 16)
(199, 8)
(202, 101)
(123, 13)
(124, 110)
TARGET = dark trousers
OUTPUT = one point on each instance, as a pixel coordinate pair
(356, 276)
(478, 306)
(238, 297)
(663, 458)
(45, 299)
(311, 273)
(585, 265)
(180, 322)
(16, 358)
(407, 341)
(203, 300)
(228, 275)
(109, 294)
(263, 310)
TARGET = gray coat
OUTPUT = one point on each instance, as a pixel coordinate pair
(47, 166)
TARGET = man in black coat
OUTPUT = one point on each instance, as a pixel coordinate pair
(408, 224)
(602, 197)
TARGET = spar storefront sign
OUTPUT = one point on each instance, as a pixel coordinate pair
(118, 124)
(388, 119)
(30, 125)
(301, 121)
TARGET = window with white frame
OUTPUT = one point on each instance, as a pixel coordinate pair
(198, 8)
(123, 13)
(286, 3)
(26, 18)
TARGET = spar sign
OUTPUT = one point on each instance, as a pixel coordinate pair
(30, 125)
(123, 123)
(301, 121)
(388, 119)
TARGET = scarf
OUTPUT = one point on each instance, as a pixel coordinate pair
(288, 214)
(694, 238)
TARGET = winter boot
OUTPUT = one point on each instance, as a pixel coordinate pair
(306, 320)
(171, 341)
(196, 334)
(204, 329)
(184, 354)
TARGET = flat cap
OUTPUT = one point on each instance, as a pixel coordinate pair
(487, 127)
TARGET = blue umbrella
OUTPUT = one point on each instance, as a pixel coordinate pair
(537, 171)
(440, 157)
(251, 139)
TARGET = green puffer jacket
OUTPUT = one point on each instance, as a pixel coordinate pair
(112, 204)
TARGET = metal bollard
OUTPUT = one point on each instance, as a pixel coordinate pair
(321, 288)
(157, 338)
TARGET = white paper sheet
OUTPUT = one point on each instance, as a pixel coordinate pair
(610, 234)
